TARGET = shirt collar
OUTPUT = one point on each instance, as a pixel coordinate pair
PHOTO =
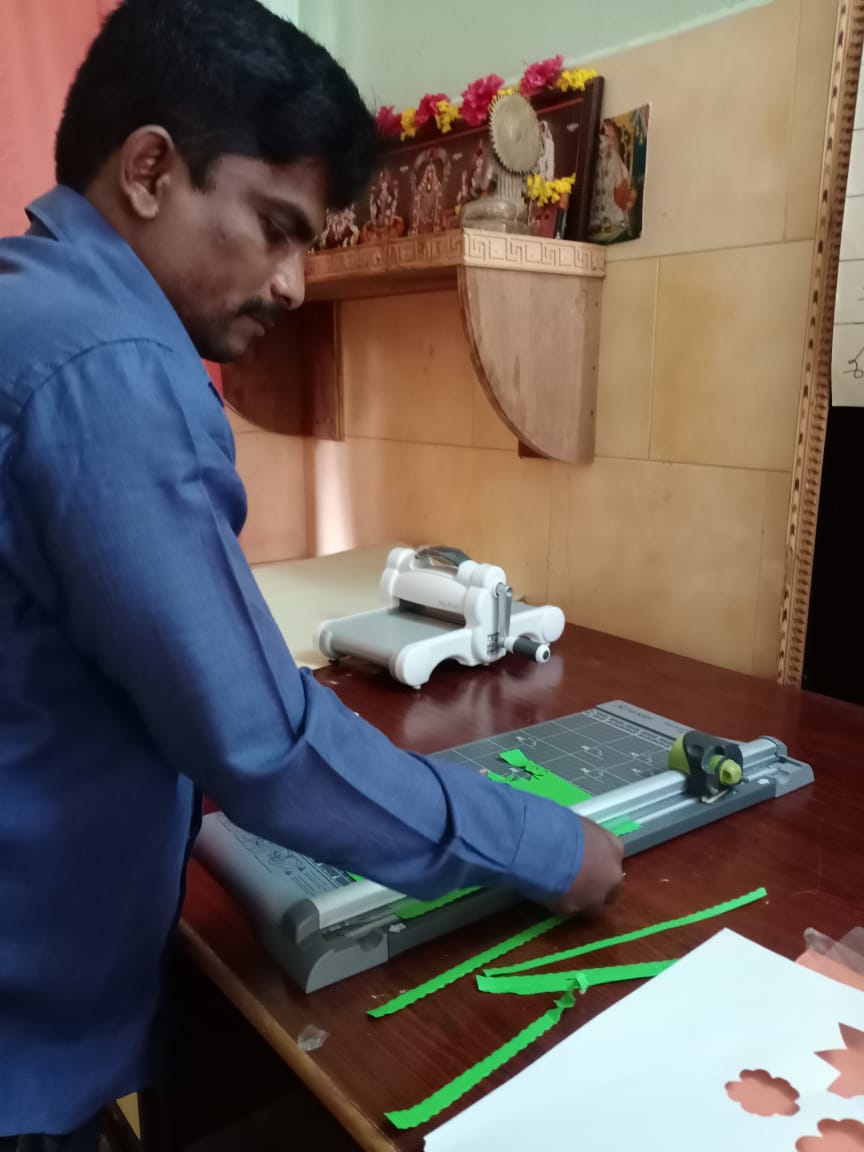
(66, 214)
(71, 218)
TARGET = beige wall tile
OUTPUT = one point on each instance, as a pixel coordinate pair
(272, 469)
(687, 555)
(357, 493)
(490, 504)
(730, 343)
(129, 1107)
(809, 110)
(772, 574)
(239, 423)
(626, 359)
(407, 371)
(667, 554)
(489, 430)
(718, 138)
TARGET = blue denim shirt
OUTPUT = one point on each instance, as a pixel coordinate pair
(140, 665)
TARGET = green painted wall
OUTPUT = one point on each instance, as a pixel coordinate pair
(398, 49)
(288, 9)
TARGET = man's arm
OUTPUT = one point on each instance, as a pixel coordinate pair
(130, 511)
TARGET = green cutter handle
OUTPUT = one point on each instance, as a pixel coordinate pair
(710, 764)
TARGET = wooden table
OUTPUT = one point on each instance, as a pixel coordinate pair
(806, 849)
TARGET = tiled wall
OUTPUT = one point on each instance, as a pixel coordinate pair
(675, 534)
(273, 470)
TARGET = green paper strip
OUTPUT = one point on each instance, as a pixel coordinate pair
(516, 758)
(620, 826)
(597, 945)
(463, 969)
(542, 782)
(409, 909)
(549, 785)
(583, 979)
(424, 1111)
(353, 875)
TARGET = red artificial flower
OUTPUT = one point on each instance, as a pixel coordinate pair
(388, 121)
(477, 97)
(541, 75)
(428, 106)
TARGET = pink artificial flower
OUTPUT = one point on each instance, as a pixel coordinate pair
(428, 107)
(388, 121)
(477, 97)
(541, 75)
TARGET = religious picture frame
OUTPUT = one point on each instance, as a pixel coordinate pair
(420, 185)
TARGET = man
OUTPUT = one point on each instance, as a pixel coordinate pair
(201, 143)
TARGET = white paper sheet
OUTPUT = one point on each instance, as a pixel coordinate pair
(301, 593)
(847, 358)
(650, 1072)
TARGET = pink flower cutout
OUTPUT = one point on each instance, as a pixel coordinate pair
(761, 1094)
(834, 1136)
(428, 106)
(849, 1062)
(388, 121)
(541, 75)
(477, 98)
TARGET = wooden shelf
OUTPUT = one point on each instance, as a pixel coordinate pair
(531, 314)
(428, 262)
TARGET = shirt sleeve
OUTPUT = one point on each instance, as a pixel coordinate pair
(131, 506)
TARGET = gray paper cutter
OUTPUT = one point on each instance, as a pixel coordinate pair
(322, 925)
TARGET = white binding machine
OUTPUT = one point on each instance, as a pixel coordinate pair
(441, 605)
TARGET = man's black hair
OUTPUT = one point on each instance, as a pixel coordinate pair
(221, 76)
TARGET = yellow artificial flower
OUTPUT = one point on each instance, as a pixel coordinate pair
(408, 126)
(506, 91)
(575, 79)
(445, 115)
(548, 191)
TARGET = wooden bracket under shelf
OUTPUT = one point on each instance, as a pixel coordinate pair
(531, 314)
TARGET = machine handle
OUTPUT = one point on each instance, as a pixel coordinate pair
(530, 649)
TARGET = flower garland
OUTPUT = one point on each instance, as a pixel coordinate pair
(478, 98)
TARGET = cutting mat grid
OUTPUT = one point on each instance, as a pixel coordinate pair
(595, 750)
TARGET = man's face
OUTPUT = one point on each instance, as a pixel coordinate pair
(231, 258)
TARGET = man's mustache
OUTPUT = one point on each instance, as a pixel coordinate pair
(266, 313)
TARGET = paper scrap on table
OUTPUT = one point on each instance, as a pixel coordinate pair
(651, 1071)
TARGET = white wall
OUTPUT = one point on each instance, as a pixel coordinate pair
(397, 50)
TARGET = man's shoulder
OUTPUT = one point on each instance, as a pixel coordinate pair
(58, 313)
(60, 290)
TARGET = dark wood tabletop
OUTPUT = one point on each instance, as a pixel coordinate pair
(806, 849)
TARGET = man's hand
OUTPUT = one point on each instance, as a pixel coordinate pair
(600, 876)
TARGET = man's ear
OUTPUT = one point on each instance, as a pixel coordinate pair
(148, 162)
